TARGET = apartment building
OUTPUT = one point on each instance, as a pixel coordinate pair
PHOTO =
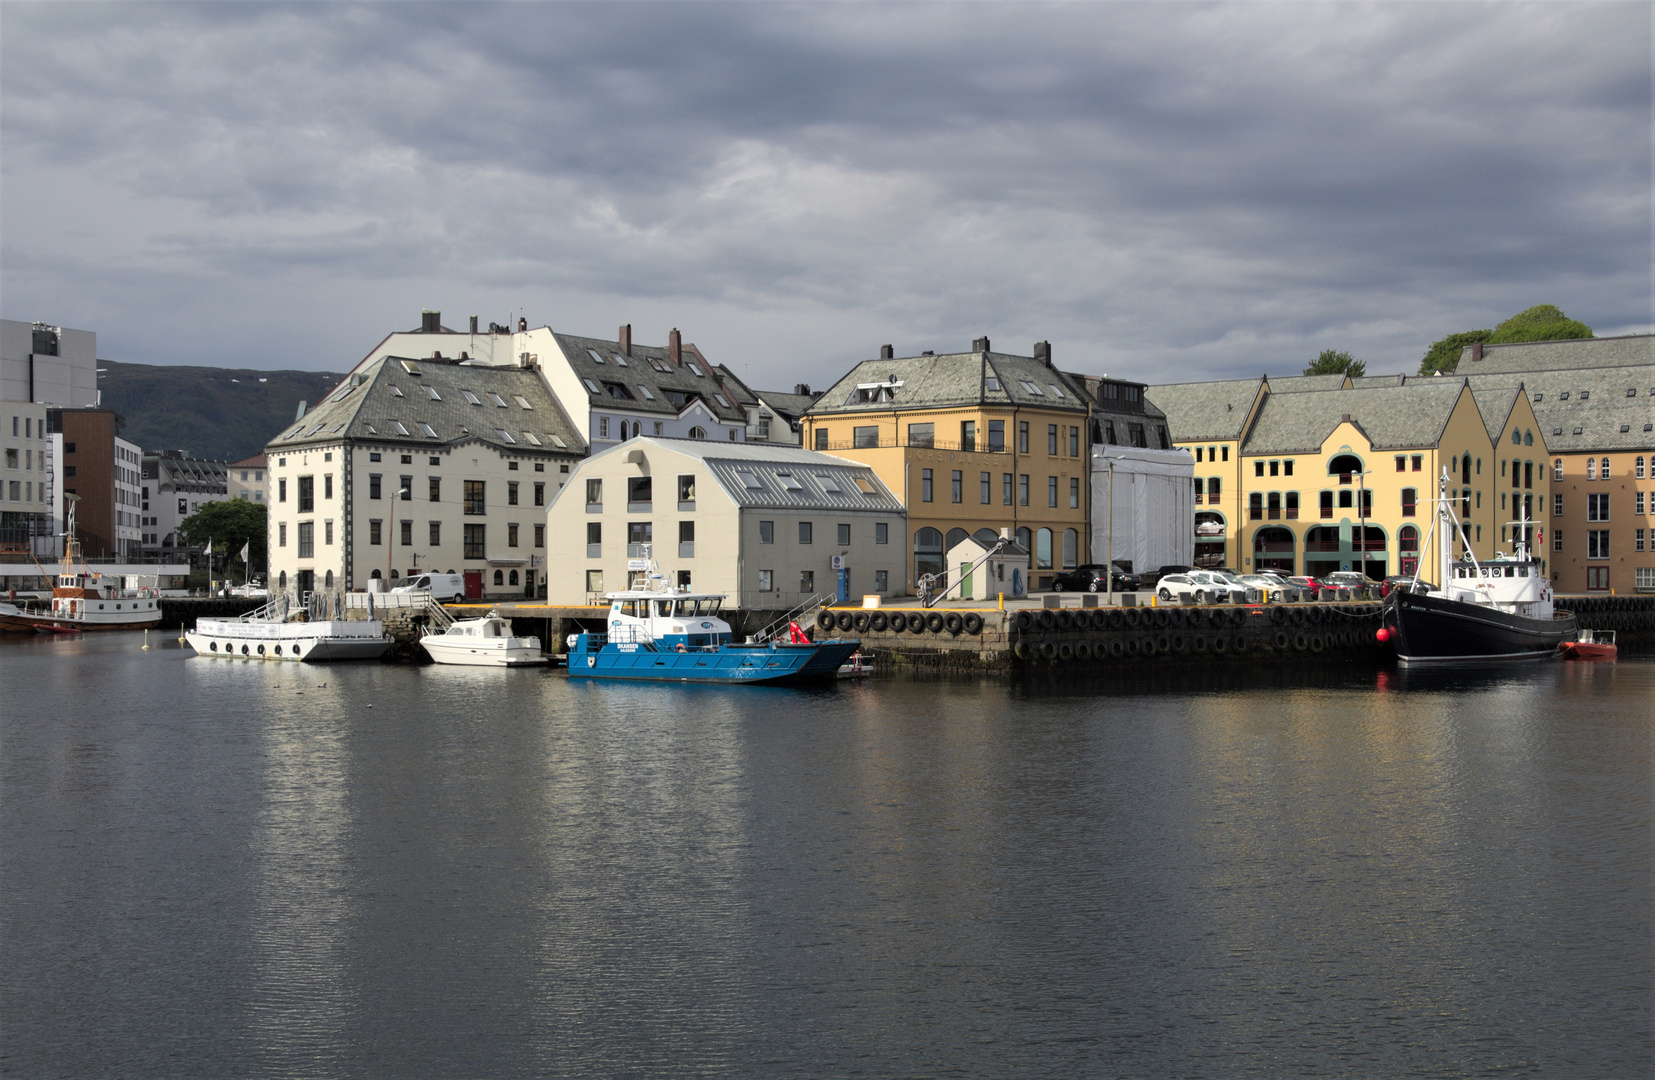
(25, 483)
(105, 474)
(247, 478)
(176, 485)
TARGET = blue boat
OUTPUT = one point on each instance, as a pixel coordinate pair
(676, 636)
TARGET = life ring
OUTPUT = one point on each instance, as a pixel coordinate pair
(860, 622)
(933, 622)
(1117, 649)
(681, 647)
(916, 623)
(1198, 644)
(878, 622)
(953, 623)
(1023, 620)
(973, 623)
(824, 619)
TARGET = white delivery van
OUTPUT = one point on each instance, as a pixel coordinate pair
(444, 587)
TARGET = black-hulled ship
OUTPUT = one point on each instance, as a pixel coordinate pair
(1495, 610)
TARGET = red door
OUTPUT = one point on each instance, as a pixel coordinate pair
(473, 584)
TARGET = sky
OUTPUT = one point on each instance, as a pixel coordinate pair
(1165, 192)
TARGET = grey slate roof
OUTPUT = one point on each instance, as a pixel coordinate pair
(1495, 405)
(1205, 410)
(1092, 384)
(790, 406)
(1599, 416)
(1368, 382)
(952, 380)
(1393, 418)
(367, 406)
(635, 369)
(1634, 350)
(1299, 384)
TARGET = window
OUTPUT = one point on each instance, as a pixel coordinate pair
(766, 578)
(435, 484)
(407, 530)
(1258, 468)
(1327, 505)
(1638, 540)
(327, 485)
(1638, 468)
(956, 486)
(1557, 469)
(594, 493)
(1603, 469)
(767, 532)
(843, 537)
(327, 532)
(868, 436)
(881, 532)
(1023, 489)
(1074, 441)
(594, 581)
(1401, 462)
(1414, 462)
(821, 438)
(925, 485)
(307, 539)
(1043, 549)
(698, 432)
(807, 582)
(281, 534)
(1022, 436)
(985, 488)
(804, 532)
(1005, 488)
(1597, 543)
(307, 494)
(639, 532)
(1557, 505)
(436, 534)
(881, 580)
(540, 493)
(1051, 491)
(1410, 501)
(407, 488)
(968, 434)
(1071, 548)
(1292, 506)
(375, 531)
(540, 536)
(1557, 539)
(474, 498)
(1638, 509)
(1597, 507)
(922, 434)
(1200, 489)
(996, 436)
(1074, 493)
(474, 545)
(511, 493)
(1051, 439)
(1255, 507)
(511, 534)
(1215, 487)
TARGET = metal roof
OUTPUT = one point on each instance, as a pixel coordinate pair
(432, 403)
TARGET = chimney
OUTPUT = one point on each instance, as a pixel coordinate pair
(1344, 418)
(430, 322)
(886, 352)
(522, 325)
(624, 337)
(675, 346)
(474, 324)
(979, 344)
(802, 389)
(1476, 351)
(1043, 352)
(928, 352)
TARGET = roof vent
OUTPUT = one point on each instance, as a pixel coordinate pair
(886, 352)
(979, 344)
(928, 352)
(430, 322)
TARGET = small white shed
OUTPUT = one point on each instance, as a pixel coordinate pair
(1006, 571)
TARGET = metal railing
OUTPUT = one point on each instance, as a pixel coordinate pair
(817, 600)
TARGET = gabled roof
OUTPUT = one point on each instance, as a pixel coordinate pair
(257, 461)
(1633, 350)
(1495, 405)
(808, 485)
(1584, 409)
(1299, 384)
(1393, 418)
(1368, 382)
(603, 363)
(1206, 410)
(952, 380)
(393, 391)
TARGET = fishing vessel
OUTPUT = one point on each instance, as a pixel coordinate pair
(313, 630)
(660, 632)
(1498, 610)
(83, 599)
(484, 642)
(1592, 645)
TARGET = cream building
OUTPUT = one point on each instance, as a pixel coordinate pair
(768, 526)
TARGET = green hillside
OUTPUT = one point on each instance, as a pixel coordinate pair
(224, 413)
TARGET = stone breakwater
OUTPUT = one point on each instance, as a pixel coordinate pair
(992, 640)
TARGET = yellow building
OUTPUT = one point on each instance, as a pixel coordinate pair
(972, 443)
(1311, 480)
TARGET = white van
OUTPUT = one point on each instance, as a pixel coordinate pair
(444, 587)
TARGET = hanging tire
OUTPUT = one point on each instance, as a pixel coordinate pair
(1060, 621)
(878, 622)
(1099, 619)
(1020, 650)
(1132, 647)
(1044, 620)
(845, 620)
(1114, 619)
(1278, 615)
(824, 619)
(859, 622)
(933, 622)
(916, 623)
(1317, 643)
(1221, 644)
(1133, 617)
(1296, 616)
(973, 623)
(1146, 647)
(1198, 644)
(1023, 620)
(1083, 650)
(1282, 641)
(953, 623)
(1163, 643)
(1180, 644)
(1048, 650)
(1238, 645)
(1238, 618)
(898, 622)
(1065, 651)
(1301, 641)
(1117, 649)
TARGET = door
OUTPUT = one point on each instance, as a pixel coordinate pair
(843, 585)
(473, 584)
(306, 582)
(965, 582)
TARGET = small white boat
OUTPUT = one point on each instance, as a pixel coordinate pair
(278, 631)
(484, 642)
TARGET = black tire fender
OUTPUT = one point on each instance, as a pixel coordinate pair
(1117, 649)
(824, 619)
(953, 623)
(859, 622)
(933, 622)
(1317, 643)
(1239, 645)
(845, 620)
(1133, 618)
(1198, 644)
(973, 623)
(1048, 650)
(1163, 643)
(1065, 651)
(1282, 641)
(878, 622)
(916, 623)
(1301, 641)
(1146, 647)
(1221, 644)
(1023, 620)
(1044, 620)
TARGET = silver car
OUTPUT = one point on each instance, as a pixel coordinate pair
(1204, 587)
(1269, 586)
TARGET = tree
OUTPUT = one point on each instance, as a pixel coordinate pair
(1339, 362)
(229, 524)
(1445, 354)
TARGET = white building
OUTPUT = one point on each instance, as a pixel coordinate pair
(176, 486)
(48, 365)
(418, 465)
(1146, 497)
(26, 458)
(41, 366)
(767, 526)
(248, 479)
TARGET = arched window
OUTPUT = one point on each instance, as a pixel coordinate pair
(1528, 437)
(927, 552)
(1465, 469)
(1043, 549)
(450, 570)
(698, 432)
(1343, 465)
(375, 576)
(393, 575)
(1591, 469)
(499, 578)
(1273, 549)
(1025, 539)
(513, 579)
(1557, 469)
(281, 579)
(988, 537)
(1603, 469)
(1071, 549)
(954, 537)
(327, 581)
(1408, 539)
(1516, 437)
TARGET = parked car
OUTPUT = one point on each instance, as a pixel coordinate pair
(1204, 586)
(1271, 586)
(1090, 578)
(1148, 578)
(1309, 584)
(1348, 579)
(444, 587)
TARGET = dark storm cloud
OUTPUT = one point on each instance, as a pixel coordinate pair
(1162, 190)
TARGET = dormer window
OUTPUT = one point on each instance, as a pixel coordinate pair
(873, 393)
(1564, 396)
(1538, 398)
(993, 382)
(1584, 394)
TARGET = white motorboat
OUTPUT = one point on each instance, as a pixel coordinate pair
(484, 642)
(284, 631)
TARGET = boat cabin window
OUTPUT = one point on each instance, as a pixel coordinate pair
(663, 608)
(710, 605)
(630, 608)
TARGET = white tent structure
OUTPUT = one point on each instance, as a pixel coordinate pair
(1146, 499)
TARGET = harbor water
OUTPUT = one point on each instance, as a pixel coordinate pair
(220, 868)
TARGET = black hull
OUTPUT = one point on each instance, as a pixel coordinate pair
(1431, 629)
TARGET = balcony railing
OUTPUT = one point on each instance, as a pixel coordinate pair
(971, 447)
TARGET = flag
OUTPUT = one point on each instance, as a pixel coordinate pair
(245, 548)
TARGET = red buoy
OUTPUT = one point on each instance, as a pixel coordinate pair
(1384, 634)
